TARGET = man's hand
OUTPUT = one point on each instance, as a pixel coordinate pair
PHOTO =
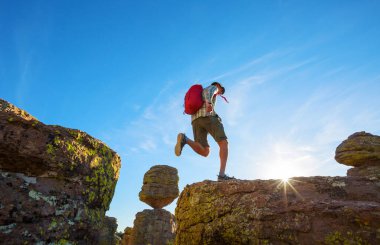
(208, 107)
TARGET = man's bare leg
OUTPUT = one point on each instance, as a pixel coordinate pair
(198, 148)
(223, 154)
(182, 140)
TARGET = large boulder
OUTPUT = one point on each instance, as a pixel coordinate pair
(153, 226)
(360, 149)
(160, 186)
(314, 210)
(56, 183)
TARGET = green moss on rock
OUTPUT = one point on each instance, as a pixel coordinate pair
(337, 238)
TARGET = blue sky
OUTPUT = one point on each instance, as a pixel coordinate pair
(301, 76)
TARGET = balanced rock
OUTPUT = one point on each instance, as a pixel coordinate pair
(153, 226)
(308, 210)
(55, 183)
(160, 186)
(360, 149)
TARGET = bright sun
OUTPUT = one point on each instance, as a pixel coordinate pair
(285, 179)
(282, 173)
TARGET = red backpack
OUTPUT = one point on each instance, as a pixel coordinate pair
(193, 99)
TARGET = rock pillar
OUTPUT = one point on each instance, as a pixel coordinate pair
(156, 226)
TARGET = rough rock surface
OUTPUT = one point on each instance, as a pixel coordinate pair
(307, 210)
(160, 186)
(157, 226)
(360, 149)
(5, 106)
(319, 210)
(127, 236)
(55, 183)
(153, 226)
(107, 233)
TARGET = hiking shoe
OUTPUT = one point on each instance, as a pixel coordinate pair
(225, 177)
(181, 142)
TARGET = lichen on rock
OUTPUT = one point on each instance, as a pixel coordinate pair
(56, 183)
(359, 149)
(306, 210)
(5, 106)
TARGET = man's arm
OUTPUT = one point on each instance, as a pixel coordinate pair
(210, 92)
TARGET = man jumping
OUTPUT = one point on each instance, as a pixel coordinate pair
(205, 121)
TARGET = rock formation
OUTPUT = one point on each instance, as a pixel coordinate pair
(307, 210)
(359, 150)
(55, 183)
(127, 236)
(160, 186)
(107, 233)
(153, 226)
(157, 226)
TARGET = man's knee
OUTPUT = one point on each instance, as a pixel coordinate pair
(206, 152)
(223, 143)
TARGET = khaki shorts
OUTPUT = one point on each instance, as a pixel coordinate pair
(208, 125)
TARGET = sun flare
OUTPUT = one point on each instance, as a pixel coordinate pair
(284, 180)
(283, 174)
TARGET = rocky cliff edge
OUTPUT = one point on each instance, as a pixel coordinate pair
(305, 210)
(56, 183)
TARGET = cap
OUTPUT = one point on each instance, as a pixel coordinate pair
(217, 83)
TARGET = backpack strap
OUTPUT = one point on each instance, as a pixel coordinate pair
(225, 99)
